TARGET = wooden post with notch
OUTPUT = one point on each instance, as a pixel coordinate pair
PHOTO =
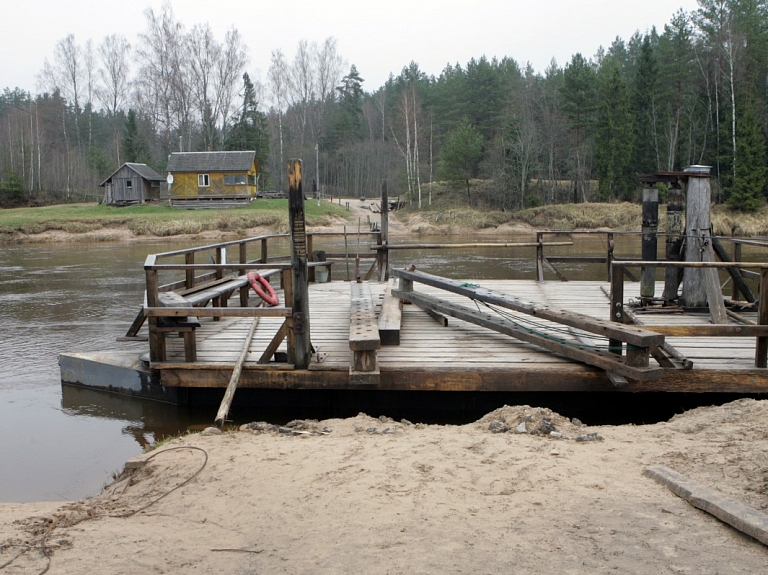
(617, 305)
(383, 253)
(299, 276)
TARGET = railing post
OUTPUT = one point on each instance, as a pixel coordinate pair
(299, 266)
(540, 256)
(156, 339)
(736, 258)
(189, 259)
(761, 347)
(243, 255)
(264, 252)
(617, 305)
(310, 258)
(244, 291)
(219, 272)
(609, 256)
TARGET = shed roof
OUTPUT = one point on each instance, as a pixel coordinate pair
(211, 161)
(142, 170)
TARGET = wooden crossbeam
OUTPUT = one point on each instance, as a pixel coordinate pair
(608, 361)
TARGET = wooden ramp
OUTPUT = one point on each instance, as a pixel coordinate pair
(458, 357)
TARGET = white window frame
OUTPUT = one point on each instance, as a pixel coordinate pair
(203, 181)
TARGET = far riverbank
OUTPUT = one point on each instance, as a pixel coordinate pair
(97, 223)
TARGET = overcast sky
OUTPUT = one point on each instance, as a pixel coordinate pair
(378, 37)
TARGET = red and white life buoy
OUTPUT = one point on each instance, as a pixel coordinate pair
(259, 285)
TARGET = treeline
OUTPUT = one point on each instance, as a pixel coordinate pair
(695, 92)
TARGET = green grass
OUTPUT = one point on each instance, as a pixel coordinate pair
(159, 219)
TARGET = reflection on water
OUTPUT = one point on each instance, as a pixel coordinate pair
(64, 443)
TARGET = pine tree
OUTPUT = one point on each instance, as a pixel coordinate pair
(348, 123)
(644, 109)
(579, 95)
(135, 148)
(460, 156)
(749, 183)
(250, 131)
(614, 135)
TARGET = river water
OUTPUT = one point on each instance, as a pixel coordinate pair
(63, 443)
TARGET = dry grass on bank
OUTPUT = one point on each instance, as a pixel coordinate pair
(449, 213)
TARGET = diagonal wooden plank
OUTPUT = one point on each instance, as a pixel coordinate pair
(604, 360)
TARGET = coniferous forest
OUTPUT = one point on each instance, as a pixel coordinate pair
(694, 92)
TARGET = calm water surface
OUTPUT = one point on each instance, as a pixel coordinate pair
(64, 443)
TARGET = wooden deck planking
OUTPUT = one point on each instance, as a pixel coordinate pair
(446, 356)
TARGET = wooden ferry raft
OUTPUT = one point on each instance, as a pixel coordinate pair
(437, 352)
(451, 335)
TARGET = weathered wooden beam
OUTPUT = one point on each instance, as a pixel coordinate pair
(390, 317)
(634, 335)
(136, 325)
(154, 312)
(300, 303)
(710, 330)
(665, 354)
(363, 328)
(266, 357)
(604, 360)
(554, 270)
(739, 284)
(735, 513)
(650, 241)
(229, 395)
(468, 245)
(761, 347)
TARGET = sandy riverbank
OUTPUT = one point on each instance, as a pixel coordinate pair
(365, 495)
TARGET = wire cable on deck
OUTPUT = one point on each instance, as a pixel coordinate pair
(536, 327)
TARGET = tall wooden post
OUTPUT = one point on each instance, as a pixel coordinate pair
(617, 306)
(384, 234)
(299, 275)
(539, 256)
(650, 241)
(609, 256)
(674, 242)
(700, 286)
(761, 347)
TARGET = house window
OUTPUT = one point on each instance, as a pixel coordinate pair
(128, 184)
(203, 181)
(251, 180)
(234, 180)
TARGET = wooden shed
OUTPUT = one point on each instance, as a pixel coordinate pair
(223, 176)
(131, 184)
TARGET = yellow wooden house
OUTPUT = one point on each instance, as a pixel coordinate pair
(225, 176)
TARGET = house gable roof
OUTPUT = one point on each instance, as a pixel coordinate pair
(142, 170)
(211, 161)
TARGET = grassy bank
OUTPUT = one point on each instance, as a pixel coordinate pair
(157, 220)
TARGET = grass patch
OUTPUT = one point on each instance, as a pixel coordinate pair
(160, 219)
